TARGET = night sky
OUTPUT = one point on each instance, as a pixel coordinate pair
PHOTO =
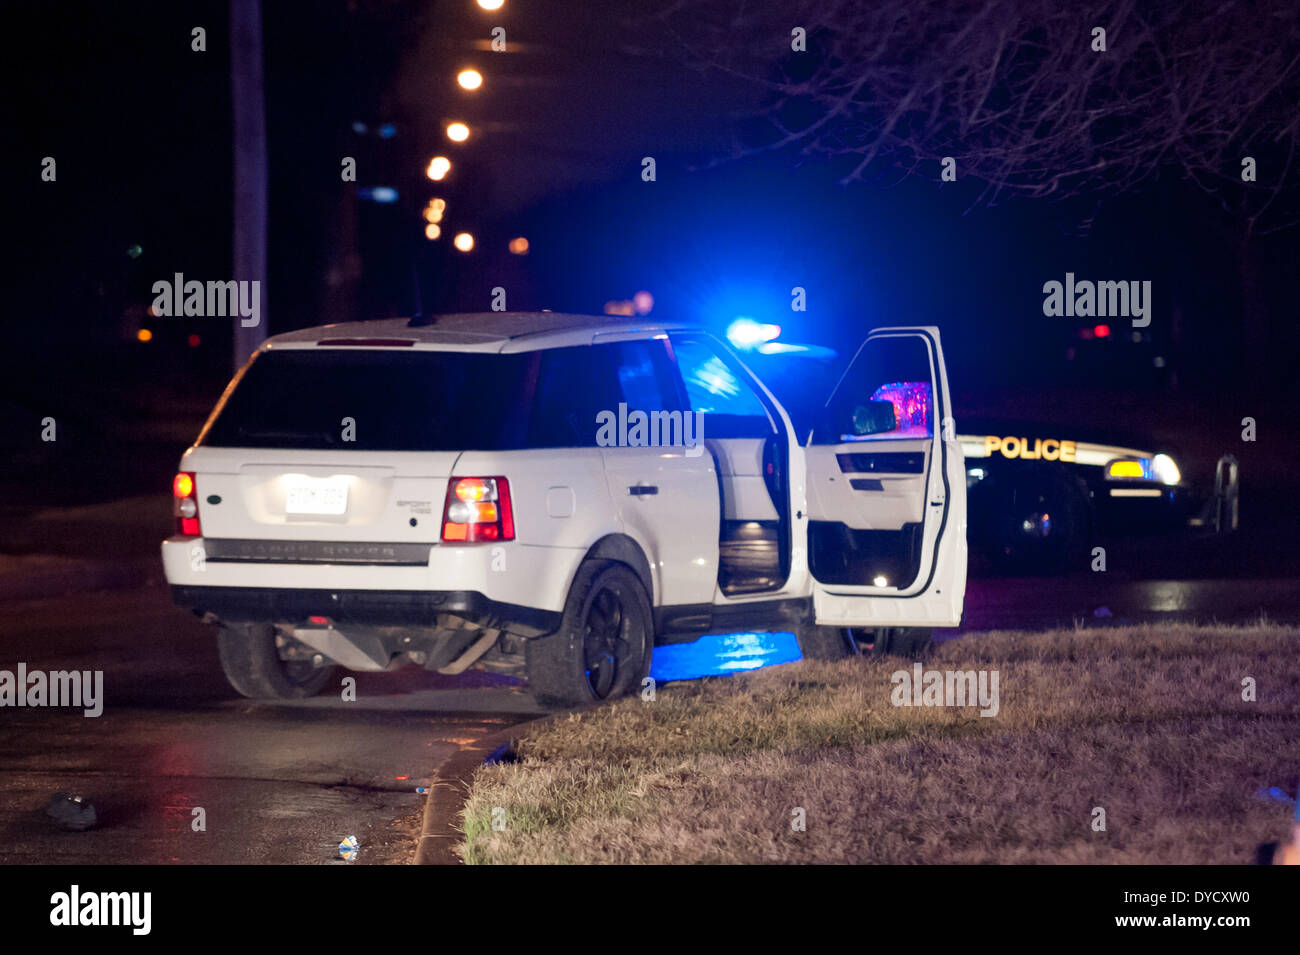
(140, 126)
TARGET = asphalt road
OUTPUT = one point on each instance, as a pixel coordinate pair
(1033, 604)
(277, 783)
(285, 783)
(1230, 579)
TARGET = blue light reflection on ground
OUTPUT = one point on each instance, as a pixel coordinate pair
(722, 654)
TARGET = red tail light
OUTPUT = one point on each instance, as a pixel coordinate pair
(185, 504)
(477, 511)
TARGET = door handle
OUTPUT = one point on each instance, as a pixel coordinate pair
(639, 490)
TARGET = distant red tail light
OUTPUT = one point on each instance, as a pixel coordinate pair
(185, 504)
(478, 510)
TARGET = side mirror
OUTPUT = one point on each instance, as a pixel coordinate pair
(875, 417)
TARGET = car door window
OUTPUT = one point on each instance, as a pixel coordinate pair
(731, 407)
(645, 375)
(573, 386)
(886, 395)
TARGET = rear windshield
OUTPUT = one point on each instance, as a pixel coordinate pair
(387, 400)
(351, 399)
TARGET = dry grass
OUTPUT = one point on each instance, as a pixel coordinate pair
(1145, 722)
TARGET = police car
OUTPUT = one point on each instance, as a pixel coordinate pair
(521, 490)
(1040, 495)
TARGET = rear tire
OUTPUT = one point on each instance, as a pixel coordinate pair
(603, 647)
(252, 665)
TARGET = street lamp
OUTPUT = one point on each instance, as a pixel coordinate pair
(457, 132)
(439, 166)
(469, 79)
(519, 246)
(432, 231)
(491, 4)
(463, 241)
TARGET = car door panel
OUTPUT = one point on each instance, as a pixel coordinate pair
(867, 494)
(665, 495)
(668, 503)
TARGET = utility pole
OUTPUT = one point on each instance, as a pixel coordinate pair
(249, 103)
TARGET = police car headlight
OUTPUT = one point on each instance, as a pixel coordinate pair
(1164, 469)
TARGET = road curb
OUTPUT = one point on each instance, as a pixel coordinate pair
(447, 794)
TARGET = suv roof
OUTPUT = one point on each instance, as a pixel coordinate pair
(471, 331)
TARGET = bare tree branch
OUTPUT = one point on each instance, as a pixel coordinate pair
(1014, 91)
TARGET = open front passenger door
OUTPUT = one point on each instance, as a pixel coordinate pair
(887, 490)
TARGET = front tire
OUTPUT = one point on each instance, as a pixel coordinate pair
(252, 664)
(603, 647)
(824, 643)
(909, 642)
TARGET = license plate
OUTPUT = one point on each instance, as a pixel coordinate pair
(319, 496)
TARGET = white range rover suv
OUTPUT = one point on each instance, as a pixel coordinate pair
(555, 495)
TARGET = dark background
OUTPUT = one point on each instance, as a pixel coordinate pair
(141, 129)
